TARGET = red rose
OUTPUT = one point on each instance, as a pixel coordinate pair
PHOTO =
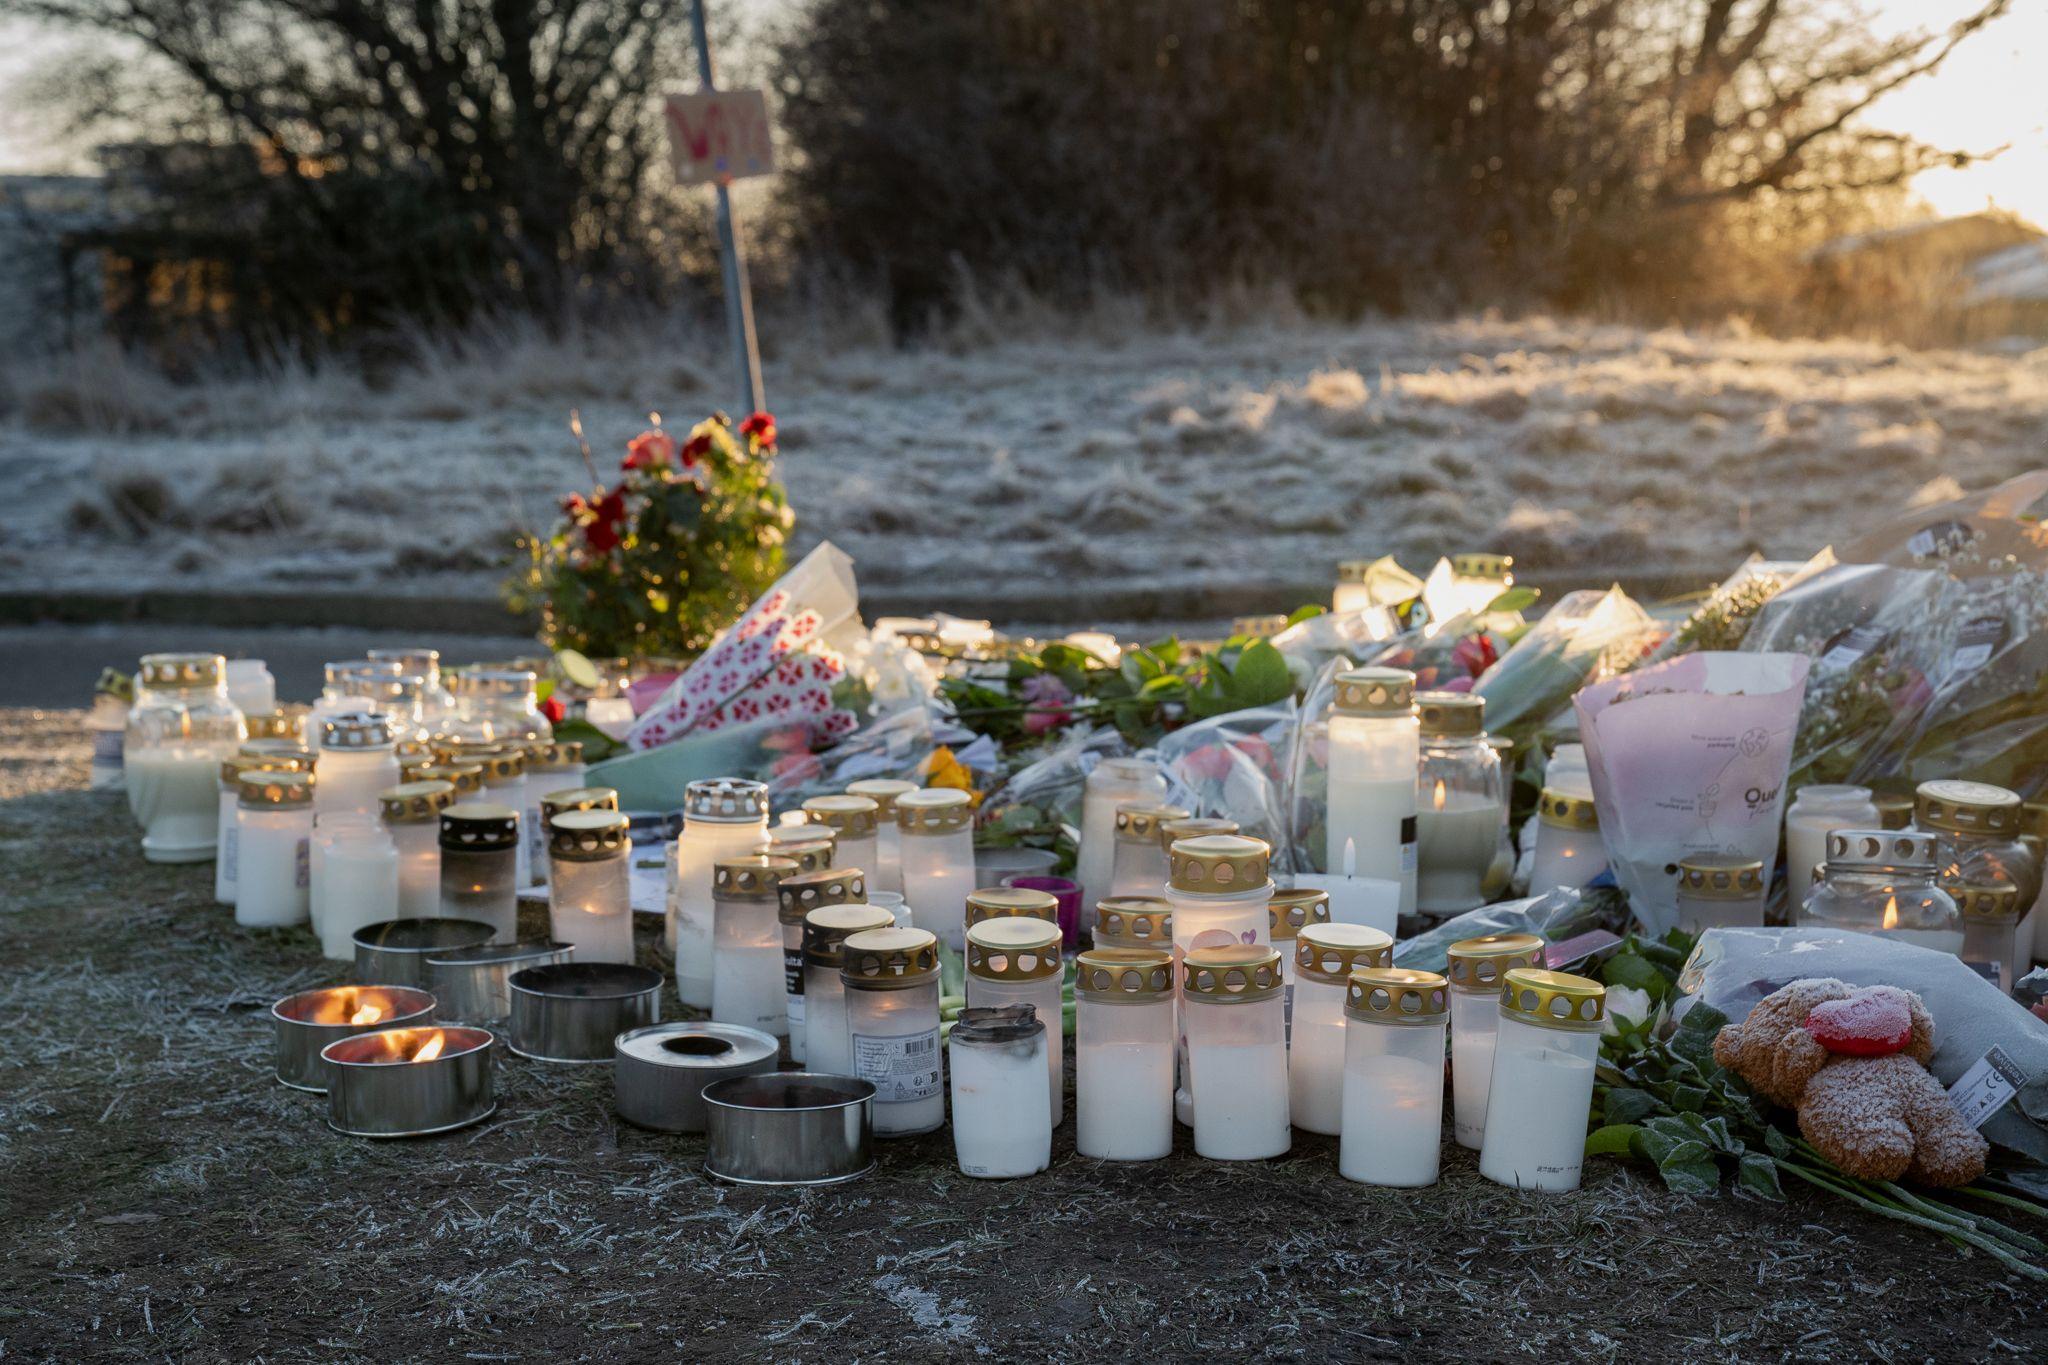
(574, 505)
(553, 709)
(696, 448)
(650, 448)
(760, 429)
(607, 511)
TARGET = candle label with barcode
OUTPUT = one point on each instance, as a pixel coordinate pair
(902, 1068)
(793, 976)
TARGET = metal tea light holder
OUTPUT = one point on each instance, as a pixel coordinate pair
(308, 1021)
(575, 1011)
(661, 1070)
(409, 1082)
(396, 950)
(789, 1128)
(473, 985)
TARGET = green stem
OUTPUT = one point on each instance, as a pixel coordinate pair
(1990, 1227)
(2026, 1206)
(1886, 1209)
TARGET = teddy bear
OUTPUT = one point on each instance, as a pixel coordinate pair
(1853, 1064)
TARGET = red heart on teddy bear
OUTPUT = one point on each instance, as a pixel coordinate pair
(1874, 1022)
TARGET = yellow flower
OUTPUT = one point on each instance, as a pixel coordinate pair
(941, 769)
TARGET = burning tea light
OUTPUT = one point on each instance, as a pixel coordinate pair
(409, 1082)
(307, 1022)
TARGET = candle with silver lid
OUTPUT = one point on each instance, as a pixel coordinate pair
(1884, 882)
(1002, 1127)
(479, 862)
(796, 896)
(356, 764)
(590, 892)
(723, 817)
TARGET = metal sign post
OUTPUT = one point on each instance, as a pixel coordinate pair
(739, 300)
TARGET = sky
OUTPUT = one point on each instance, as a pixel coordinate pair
(1989, 94)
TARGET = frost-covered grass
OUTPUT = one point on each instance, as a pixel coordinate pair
(1022, 449)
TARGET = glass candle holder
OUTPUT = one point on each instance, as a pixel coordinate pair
(723, 817)
(746, 948)
(1220, 896)
(275, 813)
(1393, 1080)
(1720, 891)
(1883, 882)
(1123, 1053)
(797, 894)
(1541, 1092)
(495, 705)
(551, 766)
(590, 884)
(937, 824)
(1458, 799)
(1816, 812)
(1324, 957)
(411, 812)
(1002, 1121)
(1015, 960)
(358, 884)
(327, 829)
(1977, 828)
(1237, 1052)
(855, 823)
(1113, 782)
(891, 977)
(1137, 859)
(1476, 968)
(479, 863)
(1373, 757)
(357, 763)
(344, 690)
(1569, 851)
(257, 755)
(436, 702)
(1135, 922)
(887, 870)
(827, 1050)
(180, 730)
(1991, 932)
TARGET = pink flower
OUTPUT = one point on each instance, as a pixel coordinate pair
(1258, 751)
(1047, 698)
(1211, 763)
(1475, 654)
(796, 767)
(1463, 684)
(649, 449)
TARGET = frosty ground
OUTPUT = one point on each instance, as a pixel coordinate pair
(1036, 453)
(161, 1197)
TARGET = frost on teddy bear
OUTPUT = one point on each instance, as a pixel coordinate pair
(1853, 1065)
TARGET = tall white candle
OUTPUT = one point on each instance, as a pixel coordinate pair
(1475, 967)
(938, 860)
(1123, 1054)
(746, 962)
(1816, 812)
(1114, 782)
(411, 812)
(590, 884)
(1373, 754)
(886, 874)
(1541, 1092)
(723, 817)
(1393, 1077)
(360, 882)
(275, 812)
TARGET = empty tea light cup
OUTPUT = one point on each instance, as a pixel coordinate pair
(397, 950)
(309, 1021)
(575, 1011)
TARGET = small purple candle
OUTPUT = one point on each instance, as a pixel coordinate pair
(1067, 893)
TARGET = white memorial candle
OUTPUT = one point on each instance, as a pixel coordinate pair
(1475, 967)
(1541, 1092)
(1123, 1054)
(590, 884)
(1393, 1077)
(1373, 754)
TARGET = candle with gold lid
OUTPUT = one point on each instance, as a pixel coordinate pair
(1237, 1051)
(411, 813)
(466, 778)
(1977, 828)
(826, 1048)
(1373, 756)
(1112, 783)
(854, 823)
(275, 813)
(797, 894)
(813, 848)
(257, 755)
(1138, 859)
(891, 978)
(1475, 967)
(1324, 956)
(590, 892)
(1001, 902)
(1194, 826)
(1720, 890)
(1541, 1091)
(937, 824)
(887, 872)
(180, 729)
(1991, 937)
(1393, 1077)
(1123, 1053)
(1569, 850)
(551, 765)
(1220, 893)
(746, 963)
(1135, 922)
(1292, 909)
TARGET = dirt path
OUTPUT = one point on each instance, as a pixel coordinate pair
(161, 1197)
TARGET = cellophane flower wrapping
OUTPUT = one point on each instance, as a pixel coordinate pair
(1587, 636)
(1690, 757)
(1235, 767)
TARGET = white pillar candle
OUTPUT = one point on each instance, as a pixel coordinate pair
(1123, 1053)
(1373, 902)
(1569, 851)
(590, 884)
(411, 812)
(826, 1049)
(886, 872)
(723, 817)
(259, 756)
(359, 876)
(1541, 1093)
(1393, 1077)
(1475, 967)
(327, 828)
(357, 763)
(1138, 857)
(1237, 1052)
(1220, 896)
(1015, 960)
(1373, 754)
(1325, 956)
(937, 825)
(174, 790)
(505, 785)
(1816, 812)
(797, 894)
(1002, 1120)
(1114, 782)
(1720, 891)
(275, 815)
(746, 954)
(479, 861)
(891, 978)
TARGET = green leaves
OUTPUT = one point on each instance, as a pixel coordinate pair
(1257, 677)
(1514, 599)
(597, 745)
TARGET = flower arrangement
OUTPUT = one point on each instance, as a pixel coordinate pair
(671, 553)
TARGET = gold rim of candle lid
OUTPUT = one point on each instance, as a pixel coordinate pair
(1014, 948)
(750, 877)
(1139, 822)
(577, 798)
(811, 855)
(934, 810)
(1966, 808)
(589, 836)
(264, 787)
(1330, 953)
(1565, 811)
(411, 803)
(251, 758)
(1721, 877)
(848, 817)
(499, 765)
(2034, 820)
(1553, 999)
(726, 800)
(1374, 692)
(1218, 864)
(1478, 964)
(1193, 827)
(1451, 713)
(1894, 809)
(278, 724)
(1873, 848)
(1011, 902)
(482, 826)
(1124, 976)
(356, 730)
(556, 753)
(466, 778)
(1133, 921)
(182, 670)
(883, 791)
(1239, 974)
(1482, 564)
(889, 959)
(829, 926)
(1987, 901)
(800, 892)
(1294, 908)
(1395, 995)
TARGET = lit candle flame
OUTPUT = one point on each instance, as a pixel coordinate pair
(427, 1051)
(368, 1014)
(1438, 798)
(1891, 912)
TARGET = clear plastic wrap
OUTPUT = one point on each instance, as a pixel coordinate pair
(1236, 766)
(1557, 915)
(1587, 636)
